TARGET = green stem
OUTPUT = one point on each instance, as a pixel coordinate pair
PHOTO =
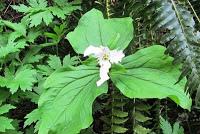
(179, 18)
(112, 109)
(107, 9)
(133, 116)
(193, 11)
(57, 49)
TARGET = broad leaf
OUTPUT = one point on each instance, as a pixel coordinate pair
(94, 30)
(66, 105)
(150, 74)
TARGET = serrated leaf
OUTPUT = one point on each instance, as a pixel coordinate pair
(165, 125)
(177, 129)
(70, 60)
(32, 117)
(36, 19)
(60, 2)
(5, 108)
(105, 31)
(23, 78)
(21, 8)
(54, 62)
(48, 17)
(62, 105)
(33, 96)
(45, 70)
(150, 74)
(38, 3)
(18, 27)
(11, 47)
(58, 12)
(6, 124)
(37, 126)
(68, 9)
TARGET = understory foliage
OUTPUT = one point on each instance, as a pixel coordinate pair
(47, 86)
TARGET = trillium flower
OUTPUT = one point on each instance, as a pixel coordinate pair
(105, 57)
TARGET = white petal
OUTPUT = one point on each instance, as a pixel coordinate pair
(104, 69)
(116, 56)
(92, 50)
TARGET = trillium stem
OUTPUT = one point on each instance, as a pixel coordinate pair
(112, 109)
(133, 116)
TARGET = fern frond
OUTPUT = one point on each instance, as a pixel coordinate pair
(181, 39)
(194, 5)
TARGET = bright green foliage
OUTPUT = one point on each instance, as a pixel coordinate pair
(150, 74)
(5, 124)
(5, 108)
(22, 78)
(38, 11)
(70, 61)
(167, 129)
(10, 41)
(106, 31)
(32, 117)
(59, 33)
(19, 28)
(11, 47)
(66, 105)
(182, 38)
(54, 62)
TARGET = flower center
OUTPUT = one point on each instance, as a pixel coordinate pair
(106, 57)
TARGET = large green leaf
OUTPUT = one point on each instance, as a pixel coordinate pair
(150, 74)
(66, 105)
(94, 30)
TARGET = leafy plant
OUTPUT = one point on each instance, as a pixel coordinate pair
(69, 91)
(38, 11)
(167, 129)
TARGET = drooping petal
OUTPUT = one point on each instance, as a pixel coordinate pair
(116, 56)
(93, 50)
(104, 69)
